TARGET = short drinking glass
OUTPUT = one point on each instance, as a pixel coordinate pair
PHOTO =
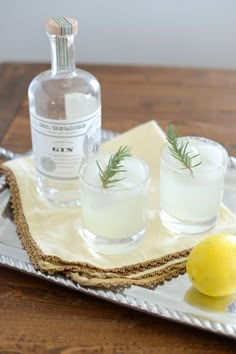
(114, 218)
(189, 202)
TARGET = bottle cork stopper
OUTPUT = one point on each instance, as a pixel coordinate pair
(62, 26)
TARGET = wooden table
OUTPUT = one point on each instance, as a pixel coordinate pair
(39, 317)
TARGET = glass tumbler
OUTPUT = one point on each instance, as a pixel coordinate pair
(190, 202)
(114, 218)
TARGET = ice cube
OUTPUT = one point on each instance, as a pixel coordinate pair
(91, 173)
(194, 153)
(134, 170)
(211, 155)
(191, 150)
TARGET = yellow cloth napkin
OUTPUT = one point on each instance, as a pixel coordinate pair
(51, 234)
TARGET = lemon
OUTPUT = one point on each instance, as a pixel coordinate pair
(211, 265)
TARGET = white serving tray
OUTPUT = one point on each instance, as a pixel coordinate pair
(167, 301)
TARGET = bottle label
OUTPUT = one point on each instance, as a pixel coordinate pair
(59, 146)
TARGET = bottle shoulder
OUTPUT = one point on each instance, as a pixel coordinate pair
(85, 74)
(77, 74)
(44, 75)
(79, 80)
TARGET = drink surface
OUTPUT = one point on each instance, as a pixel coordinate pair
(133, 175)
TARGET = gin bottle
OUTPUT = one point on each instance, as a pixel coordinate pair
(65, 116)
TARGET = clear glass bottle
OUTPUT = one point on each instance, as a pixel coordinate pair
(65, 115)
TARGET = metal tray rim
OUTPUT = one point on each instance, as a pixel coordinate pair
(129, 297)
(124, 299)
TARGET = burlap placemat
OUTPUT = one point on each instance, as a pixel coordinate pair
(51, 234)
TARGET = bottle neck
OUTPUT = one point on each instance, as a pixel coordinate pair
(62, 54)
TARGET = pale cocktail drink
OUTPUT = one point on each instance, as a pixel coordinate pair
(114, 218)
(189, 202)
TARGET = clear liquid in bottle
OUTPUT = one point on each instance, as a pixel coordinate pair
(65, 115)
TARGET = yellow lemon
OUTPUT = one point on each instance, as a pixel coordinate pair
(211, 265)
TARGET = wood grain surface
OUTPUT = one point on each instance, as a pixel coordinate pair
(39, 317)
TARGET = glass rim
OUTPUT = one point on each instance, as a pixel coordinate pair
(199, 138)
(110, 189)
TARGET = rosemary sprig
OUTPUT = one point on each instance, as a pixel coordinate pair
(179, 150)
(113, 167)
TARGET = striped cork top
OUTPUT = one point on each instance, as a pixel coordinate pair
(61, 26)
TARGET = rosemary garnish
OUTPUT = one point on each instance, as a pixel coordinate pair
(178, 150)
(113, 167)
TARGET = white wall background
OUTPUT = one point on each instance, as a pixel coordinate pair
(196, 33)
